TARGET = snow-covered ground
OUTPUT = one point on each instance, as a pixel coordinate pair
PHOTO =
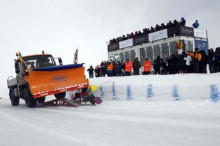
(137, 110)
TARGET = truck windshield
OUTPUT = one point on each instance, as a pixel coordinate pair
(39, 61)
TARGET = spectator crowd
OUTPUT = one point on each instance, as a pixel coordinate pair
(158, 27)
(190, 62)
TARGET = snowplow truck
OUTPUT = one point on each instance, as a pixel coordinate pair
(38, 76)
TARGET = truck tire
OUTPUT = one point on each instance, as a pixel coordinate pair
(60, 95)
(14, 100)
(28, 97)
(41, 100)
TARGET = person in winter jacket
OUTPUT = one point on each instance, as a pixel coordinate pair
(217, 60)
(183, 21)
(128, 67)
(196, 24)
(147, 67)
(110, 69)
(97, 71)
(157, 65)
(196, 60)
(164, 67)
(118, 69)
(136, 66)
(157, 27)
(103, 69)
(203, 62)
(91, 70)
(175, 22)
(114, 69)
(173, 63)
(211, 60)
(169, 24)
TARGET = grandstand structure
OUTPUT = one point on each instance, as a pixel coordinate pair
(163, 43)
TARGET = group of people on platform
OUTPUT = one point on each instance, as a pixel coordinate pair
(190, 62)
(119, 69)
(158, 27)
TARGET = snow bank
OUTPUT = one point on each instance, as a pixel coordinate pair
(192, 87)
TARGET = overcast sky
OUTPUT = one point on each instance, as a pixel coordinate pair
(60, 26)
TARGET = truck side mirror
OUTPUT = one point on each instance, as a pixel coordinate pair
(60, 61)
(17, 70)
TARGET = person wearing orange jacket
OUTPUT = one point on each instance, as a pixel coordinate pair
(147, 67)
(196, 60)
(128, 67)
(109, 69)
(198, 56)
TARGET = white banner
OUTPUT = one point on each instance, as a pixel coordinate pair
(199, 33)
(158, 35)
(126, 43)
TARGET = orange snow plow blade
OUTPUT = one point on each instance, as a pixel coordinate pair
(44, 83)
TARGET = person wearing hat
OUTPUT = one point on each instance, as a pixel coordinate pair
(128, 67)
(147, 67)
(183, 21)
(195, 24)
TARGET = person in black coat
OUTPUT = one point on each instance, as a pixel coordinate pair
(217, 60)
(195, 24)
(136, 66)
(157, 27)
(164, 67)
(211, 60)
(118, 69)
(203, 62)
(183, 22)
(91, 71)
(162, 26)
(157, 65)
(152, 29)
(169, 24)
(173, 63)
(175, 22)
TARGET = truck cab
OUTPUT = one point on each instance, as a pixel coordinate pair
(38, 61)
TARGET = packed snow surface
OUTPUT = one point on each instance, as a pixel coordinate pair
(179, 110)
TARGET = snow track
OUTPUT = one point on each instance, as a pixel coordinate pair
(117, 122)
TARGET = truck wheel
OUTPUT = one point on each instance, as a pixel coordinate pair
(41, 100)
(13, 98)
(60, 95)
(28, 97)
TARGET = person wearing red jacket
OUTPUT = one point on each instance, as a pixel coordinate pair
(128, 67)
(147, 67)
